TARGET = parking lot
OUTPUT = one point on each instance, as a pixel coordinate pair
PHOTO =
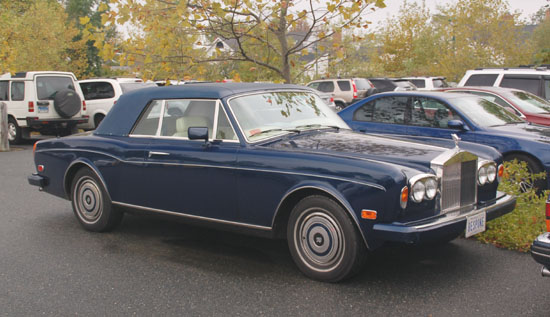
(152, 266)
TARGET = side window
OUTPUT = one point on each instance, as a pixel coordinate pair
(180, 115)
(419, 83)
(326, 86)
(224, 130)
(530, 84)
(314, 85)
(17, 91)
(437, 112)
(383, 110)
(418, 114)
(481, 80)
(97, 90)
(344, 85)
(3, 90)
(149, 121)
(547, 88)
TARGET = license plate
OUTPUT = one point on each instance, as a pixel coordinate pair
(43, 109)
(475, 224)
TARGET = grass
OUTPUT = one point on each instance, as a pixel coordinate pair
(518, 229)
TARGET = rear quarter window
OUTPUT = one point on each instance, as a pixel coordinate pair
(481, 80)
(17, 91)
(97, 90)
(420, 83)
(344, 85)
(530, 84)
(3, 90)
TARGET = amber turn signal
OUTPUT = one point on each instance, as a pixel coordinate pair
(368, 214)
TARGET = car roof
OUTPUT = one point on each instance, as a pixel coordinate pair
(517, 70)
(426, 93)
(129, 107)
(494, 89)
(31, 74)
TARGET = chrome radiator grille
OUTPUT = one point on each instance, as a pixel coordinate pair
(458, 183)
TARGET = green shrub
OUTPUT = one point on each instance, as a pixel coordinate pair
(518, 229)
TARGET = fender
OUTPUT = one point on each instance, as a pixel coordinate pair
(73, 167)
(332, 192)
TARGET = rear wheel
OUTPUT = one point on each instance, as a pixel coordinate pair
(534, 168)
(91, 204)
(14, 132)
(339, 105)
(324, 242)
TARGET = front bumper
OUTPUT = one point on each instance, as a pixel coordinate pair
(442, 226)
(540, 249)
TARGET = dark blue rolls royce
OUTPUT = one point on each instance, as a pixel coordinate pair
(271, 160)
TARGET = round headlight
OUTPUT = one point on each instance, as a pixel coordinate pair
(418, 191)
(482, 175)
(491, 173)
(431, 188)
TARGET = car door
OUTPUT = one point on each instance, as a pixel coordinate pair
(385, 115)
(192, 177)
(430, 118)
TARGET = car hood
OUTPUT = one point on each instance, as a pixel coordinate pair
(528, 131)
(345, 143)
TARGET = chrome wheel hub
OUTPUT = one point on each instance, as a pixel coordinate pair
(88, 200)
(12, 131)
(320, 241)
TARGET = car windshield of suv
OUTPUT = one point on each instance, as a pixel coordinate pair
(484, 112)
(529, 102)
(264, 115)
(48, 86)
(126, 87)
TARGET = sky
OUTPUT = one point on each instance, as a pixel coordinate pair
(526, 7)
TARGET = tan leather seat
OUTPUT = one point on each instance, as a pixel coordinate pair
(184, 123)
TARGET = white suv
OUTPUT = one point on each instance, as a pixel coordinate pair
(42, 102)
(428, 83)
(533, 80)
(344, 90)
(102, 93)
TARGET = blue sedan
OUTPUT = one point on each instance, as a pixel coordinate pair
(442, 114)
(271, 160)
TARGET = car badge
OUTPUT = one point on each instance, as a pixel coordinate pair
(456, 138)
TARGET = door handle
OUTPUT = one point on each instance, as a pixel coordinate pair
(151, 153)
(42, 103)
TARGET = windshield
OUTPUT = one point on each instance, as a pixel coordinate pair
(126, 87)
(264, 115)
(484, 112)
(529, 102)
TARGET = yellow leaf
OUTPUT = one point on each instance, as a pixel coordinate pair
(84, 20)
(103, 7)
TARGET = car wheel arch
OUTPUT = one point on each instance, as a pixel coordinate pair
(71, 171)
(293, 196)
(506, 155)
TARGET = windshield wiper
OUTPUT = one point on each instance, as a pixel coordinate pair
(275, 129)
(317, 125)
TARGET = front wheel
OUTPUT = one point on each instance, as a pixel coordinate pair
(91, 204)
(324, 242)
(533, 167)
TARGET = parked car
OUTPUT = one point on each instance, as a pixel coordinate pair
(427, 83)
(102, 93)
(540, 249)
(42, 102)
(270, 160)
(383, 84)
(328, 99)
(533, 80)
(524, 104)
(344, 90)
(442, 114)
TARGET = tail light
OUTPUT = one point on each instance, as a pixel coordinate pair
(83, 105)
(31, 106)
(331, 99)
(548, 215)
(354, 89)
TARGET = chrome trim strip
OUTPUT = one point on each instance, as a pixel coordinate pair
(228, 167)
(540, 254)
(544, 238)
(346, 206)
(172, 213)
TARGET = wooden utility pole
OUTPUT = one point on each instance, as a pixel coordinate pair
(4, 143)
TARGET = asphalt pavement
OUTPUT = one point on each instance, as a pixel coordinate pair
(150, 265)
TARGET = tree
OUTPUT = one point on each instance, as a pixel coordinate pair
(462, 35)
(541, 36)
(26, 44)
(168, 36)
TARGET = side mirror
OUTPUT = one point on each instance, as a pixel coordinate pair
(457, 125)
(198, 133)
